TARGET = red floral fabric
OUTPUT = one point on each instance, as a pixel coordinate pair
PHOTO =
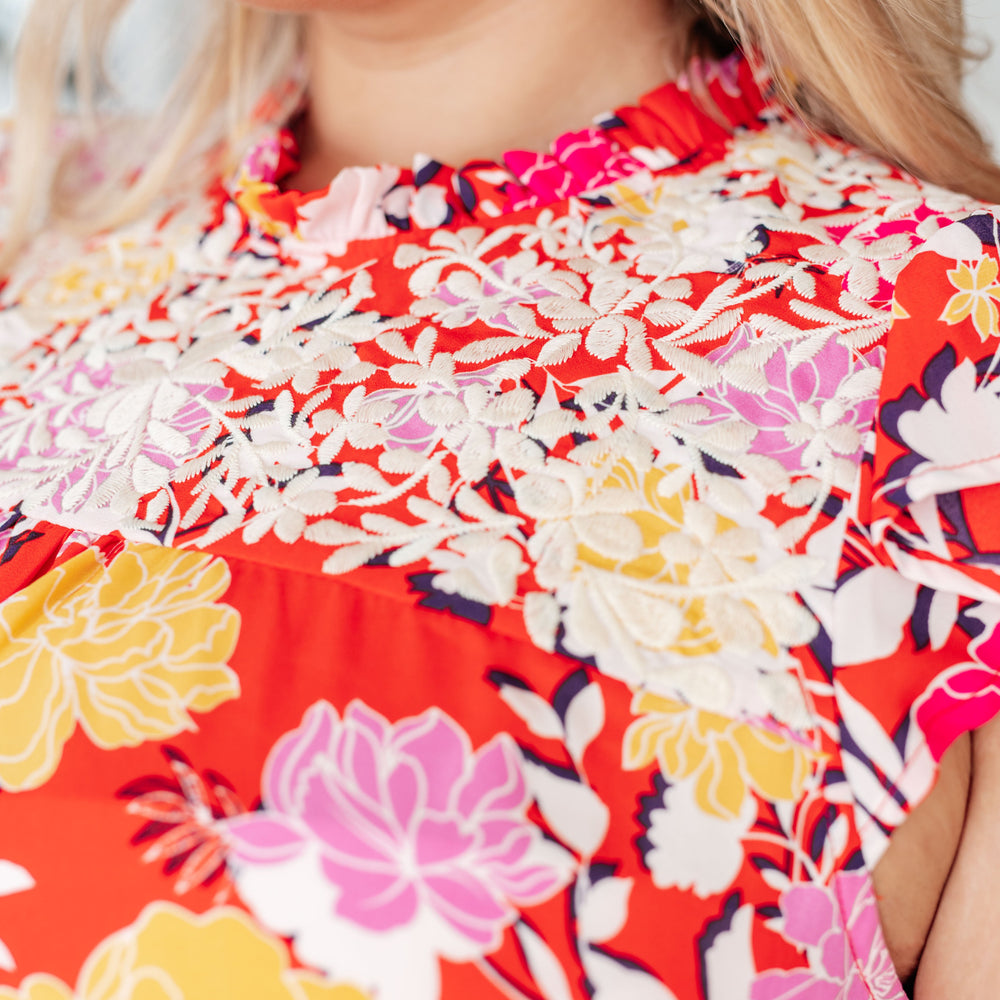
(550, 579)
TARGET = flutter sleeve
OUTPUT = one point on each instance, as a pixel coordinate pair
(932, 512)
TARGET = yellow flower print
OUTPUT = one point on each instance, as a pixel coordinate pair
(977, 296)
(126, 650)
(110, 274)
(247, 195)
(37, 987)
(169, 953)
(899, 310)
(725, 755)
(675, 541)
(639, 206)
(657, 209)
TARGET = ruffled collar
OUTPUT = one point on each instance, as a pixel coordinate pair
(665, 127)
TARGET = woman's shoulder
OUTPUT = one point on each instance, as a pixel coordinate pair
(70, 273)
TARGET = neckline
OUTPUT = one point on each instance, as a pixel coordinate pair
(664, 128)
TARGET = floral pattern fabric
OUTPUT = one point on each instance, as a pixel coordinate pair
(550, 579)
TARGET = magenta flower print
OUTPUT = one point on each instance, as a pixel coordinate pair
(966, 695)
(262, 161)
(404, 818)
(811, 405)
(578, 162)
(838, 928)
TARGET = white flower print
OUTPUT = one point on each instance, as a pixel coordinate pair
(939, 431)
(690, 848)
(659, 587)
(13, 878)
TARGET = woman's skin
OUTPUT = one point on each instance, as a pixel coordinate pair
(912, 874)
(960, 959)
(469, 79)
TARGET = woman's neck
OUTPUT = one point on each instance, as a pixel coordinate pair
(468, 79)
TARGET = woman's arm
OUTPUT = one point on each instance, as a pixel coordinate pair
(961, 960)
(914, 872)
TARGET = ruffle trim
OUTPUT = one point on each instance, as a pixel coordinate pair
(666, 127)
(930, 503)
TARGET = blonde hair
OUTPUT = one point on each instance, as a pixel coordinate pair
(884, 74)
(238, 55)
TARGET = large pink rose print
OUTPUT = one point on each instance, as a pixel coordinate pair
(383, 846)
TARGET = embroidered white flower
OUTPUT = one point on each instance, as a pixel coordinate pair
(653, 581)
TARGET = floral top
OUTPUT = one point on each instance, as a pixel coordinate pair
(543, 580)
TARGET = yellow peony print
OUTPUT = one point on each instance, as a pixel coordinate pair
(977, 297)
(38, 987)
(169, 953)
(671, 544)
(248, 194)
(113, 272)
(727, 756)
(126, 650)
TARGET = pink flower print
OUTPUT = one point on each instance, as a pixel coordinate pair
(261, 162)
(350, 209)
(808, 412)
(465, 298)
(960, 700)
(406, 818)
(700, 73)
(86, 427)
(838, 927)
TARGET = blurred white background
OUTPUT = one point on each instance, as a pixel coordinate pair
(142, 83)
(984, 84)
